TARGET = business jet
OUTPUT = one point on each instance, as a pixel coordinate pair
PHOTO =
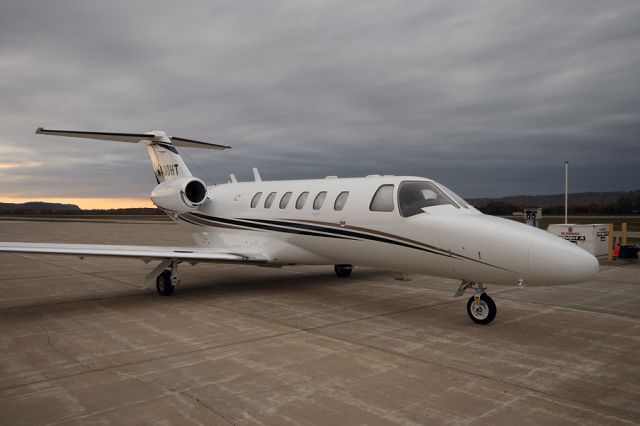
(402, 224)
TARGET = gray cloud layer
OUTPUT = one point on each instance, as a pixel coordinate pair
(489, 97)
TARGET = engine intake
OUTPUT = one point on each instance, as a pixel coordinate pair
(180, 195)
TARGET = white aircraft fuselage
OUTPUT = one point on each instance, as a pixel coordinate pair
(444, 240)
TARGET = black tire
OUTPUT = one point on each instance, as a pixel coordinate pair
(343, 271)
(163, 284)
(485, 312)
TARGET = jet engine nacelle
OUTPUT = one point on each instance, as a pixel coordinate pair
(180, 195)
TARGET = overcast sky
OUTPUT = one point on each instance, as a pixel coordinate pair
(488, 97)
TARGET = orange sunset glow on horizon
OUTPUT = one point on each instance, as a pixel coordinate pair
(87, 203)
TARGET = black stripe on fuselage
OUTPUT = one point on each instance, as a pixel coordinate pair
(321, 231)
(348, 233)
(266, 227)
(435, 250)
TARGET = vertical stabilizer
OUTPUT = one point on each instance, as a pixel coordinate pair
(165, 160)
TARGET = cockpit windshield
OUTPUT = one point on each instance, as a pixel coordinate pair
(458, 199)
(413, 196)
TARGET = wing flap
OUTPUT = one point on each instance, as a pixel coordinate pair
(187, 254)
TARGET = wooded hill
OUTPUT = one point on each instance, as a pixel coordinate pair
(597, 203)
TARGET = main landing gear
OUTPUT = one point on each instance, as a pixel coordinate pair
(480, 307)
(166, 277)
(165, 283)
(343, 271)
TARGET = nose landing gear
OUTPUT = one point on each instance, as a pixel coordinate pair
(480, 307)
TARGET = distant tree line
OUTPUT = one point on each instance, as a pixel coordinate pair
(44, 209)
(628, 204)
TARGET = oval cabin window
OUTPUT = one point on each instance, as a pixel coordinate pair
(269, 200)
(317, 203)
(302, 198)
(255, 200)
(285, 200)
(341, 200)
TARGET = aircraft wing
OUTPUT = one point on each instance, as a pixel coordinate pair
(145, 253)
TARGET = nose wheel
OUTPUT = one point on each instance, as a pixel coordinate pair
(481, 309)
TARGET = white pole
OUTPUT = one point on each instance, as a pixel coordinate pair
(566, 191)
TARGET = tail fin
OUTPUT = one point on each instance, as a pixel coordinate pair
(167, 163)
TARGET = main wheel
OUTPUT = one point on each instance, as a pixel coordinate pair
(343, 271)
(483, 312)
(163, 284)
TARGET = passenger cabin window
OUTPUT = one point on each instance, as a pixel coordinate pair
(317, 203)
(269, 200)
(382, 200)
(255, 200)
(341, 200)
(414, 196)
(302, 198)
(285, 200)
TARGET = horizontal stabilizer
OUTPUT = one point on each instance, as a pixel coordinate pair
(131, 137)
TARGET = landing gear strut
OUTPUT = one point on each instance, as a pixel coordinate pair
(480, 307)
(343, 271)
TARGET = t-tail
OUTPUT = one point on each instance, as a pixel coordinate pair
(178, 190)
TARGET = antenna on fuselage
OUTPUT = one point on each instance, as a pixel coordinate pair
(256, 175)
(232, 178)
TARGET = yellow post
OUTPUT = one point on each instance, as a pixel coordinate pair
(624, 234)
(611, 241)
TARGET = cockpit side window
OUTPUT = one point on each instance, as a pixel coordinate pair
(413, 196)
(382, 200)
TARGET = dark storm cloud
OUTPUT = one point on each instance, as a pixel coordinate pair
(488, 97)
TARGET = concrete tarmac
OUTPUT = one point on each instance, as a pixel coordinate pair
(82, 343)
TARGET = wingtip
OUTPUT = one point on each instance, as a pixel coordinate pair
(39, 130)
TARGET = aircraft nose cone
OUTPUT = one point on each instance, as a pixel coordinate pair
(560, 262)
